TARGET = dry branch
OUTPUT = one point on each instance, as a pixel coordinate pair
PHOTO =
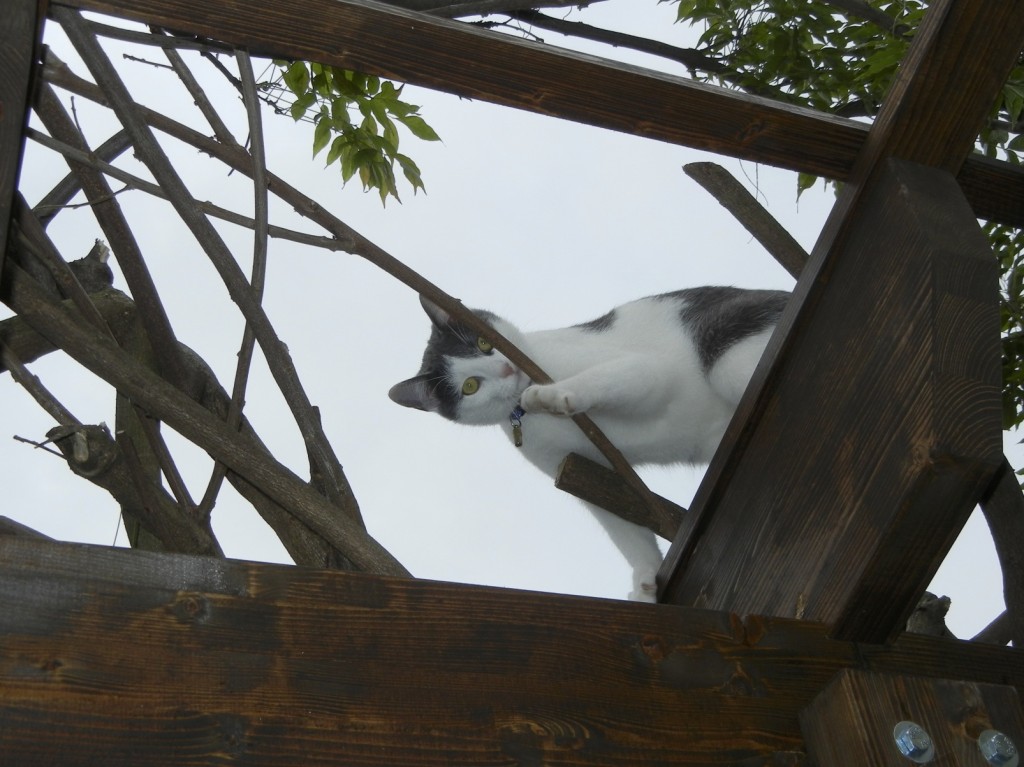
(355, 244)
(279, 360)
(161, 400)
(750, 213)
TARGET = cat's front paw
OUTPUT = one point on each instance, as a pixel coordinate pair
(551, 398)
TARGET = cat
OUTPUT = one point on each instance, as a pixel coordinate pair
(661, 376)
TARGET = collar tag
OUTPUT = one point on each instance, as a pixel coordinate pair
(515, 418)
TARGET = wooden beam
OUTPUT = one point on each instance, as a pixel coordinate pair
(121, 657)
(21, 24)
(875, 435)
(854, 720)
(455, 57)
(842, 484)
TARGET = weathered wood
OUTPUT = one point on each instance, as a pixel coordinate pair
(872, 439)
(853, 719)
(592, 482)
(874, 430)
(456, 57)
(20, 31)
(754, 217)
(120, 657)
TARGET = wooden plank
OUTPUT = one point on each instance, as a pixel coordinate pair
(20, 32)
(826, 525)
(853, 720)
(120, 657)
(458, 58)
(873, 440)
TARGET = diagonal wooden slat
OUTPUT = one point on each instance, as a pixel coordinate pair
(877, 423)
(452, 56)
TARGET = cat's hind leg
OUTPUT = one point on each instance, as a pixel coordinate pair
(640, 548)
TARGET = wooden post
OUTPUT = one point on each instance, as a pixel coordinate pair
(875, 438)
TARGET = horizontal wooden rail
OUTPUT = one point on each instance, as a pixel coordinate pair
(458, 58)
(119, 657)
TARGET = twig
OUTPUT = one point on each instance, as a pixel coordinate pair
(354, 243)
(688, 57)
(190, 419)
(148, 150)
(35, 387)
(120, 237)
(750, 213)
(148, 187)
(57, 198)
(44, 446)
(259, 259)
(71, 288)
(198, 95)
(162, 41)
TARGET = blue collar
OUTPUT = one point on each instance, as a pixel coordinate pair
(516, 419)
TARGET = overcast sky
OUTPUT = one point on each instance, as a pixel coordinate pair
(544, 222)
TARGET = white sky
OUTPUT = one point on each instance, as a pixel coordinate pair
(542, 221)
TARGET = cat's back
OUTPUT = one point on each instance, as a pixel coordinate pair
(704, 321)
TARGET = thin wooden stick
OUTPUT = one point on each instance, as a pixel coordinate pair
(148, 150)
(148, 187)
(750, 213)
(194, 422)
(355, 244)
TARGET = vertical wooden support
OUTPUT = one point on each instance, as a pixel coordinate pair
(20, 27)
(851, 721)
(876, 435)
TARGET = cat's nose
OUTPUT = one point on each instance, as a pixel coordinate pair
(507, 370)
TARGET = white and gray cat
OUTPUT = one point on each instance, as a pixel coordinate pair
(661, 376)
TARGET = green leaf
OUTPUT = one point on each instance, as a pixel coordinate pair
(336, 148)
(419, 128)
(296, 77)
(321, 134)
(804, 181)
(301, 104)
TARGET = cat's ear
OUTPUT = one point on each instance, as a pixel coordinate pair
(437, 315)
(415, 392)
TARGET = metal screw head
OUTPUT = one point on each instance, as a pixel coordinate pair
(998, 749)
(913, 742)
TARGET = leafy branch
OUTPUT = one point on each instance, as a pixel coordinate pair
(356, 118)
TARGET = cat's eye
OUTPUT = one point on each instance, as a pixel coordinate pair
(471, 386)
(484, 345)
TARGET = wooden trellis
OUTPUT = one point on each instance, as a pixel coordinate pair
(842, 483)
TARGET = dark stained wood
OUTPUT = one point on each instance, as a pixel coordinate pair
(872, 439)
(592, 482)
(119, 657)
(20, 30)
(458, 58)
(839, 490)
(852, 720)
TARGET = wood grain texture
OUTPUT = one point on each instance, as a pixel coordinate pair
(119, 657)
(844, 480)
(458, 58)
(20, 31)
(852, 720)
(592, 482)
(875, 432)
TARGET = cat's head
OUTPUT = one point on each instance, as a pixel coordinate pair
(462, 377)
